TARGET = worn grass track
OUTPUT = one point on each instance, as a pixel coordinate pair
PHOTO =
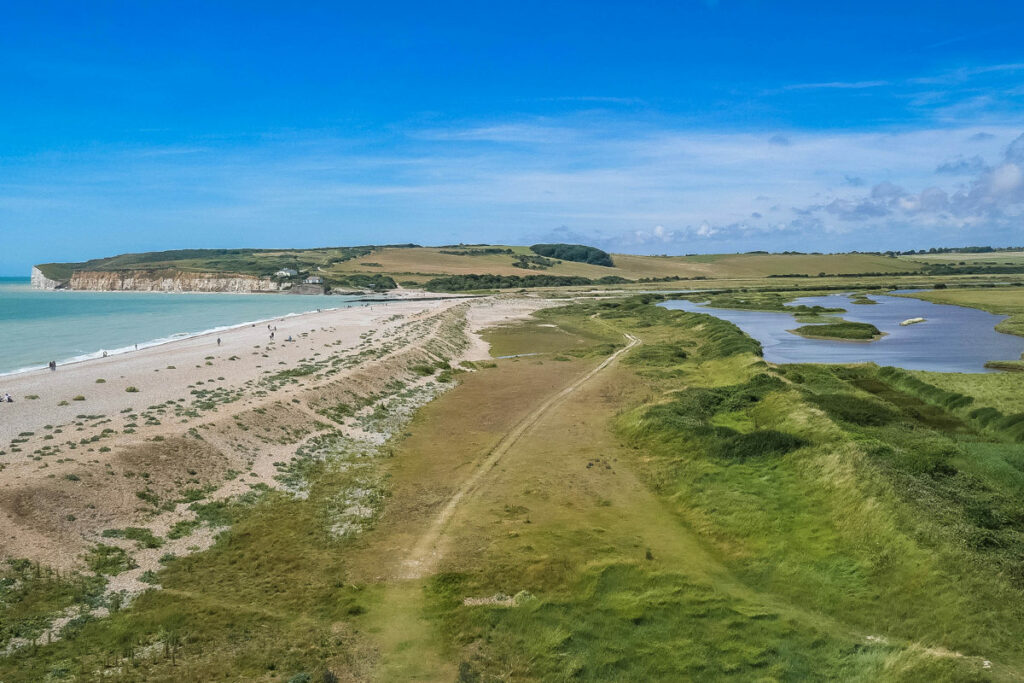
(423, 557)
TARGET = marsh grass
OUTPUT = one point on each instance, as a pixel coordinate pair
(840, 330)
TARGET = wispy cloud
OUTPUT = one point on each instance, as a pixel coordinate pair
(597, 99)
(837, 85)
(627, 186)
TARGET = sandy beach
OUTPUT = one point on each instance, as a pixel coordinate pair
(130, 440)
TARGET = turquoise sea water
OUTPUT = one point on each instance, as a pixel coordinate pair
(39, 326)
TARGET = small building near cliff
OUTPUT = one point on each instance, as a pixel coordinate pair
(286, 272)
(313, 280)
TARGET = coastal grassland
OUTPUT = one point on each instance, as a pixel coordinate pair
(445, 441)
(360, 266)
(1001, 300)
(435, 261)
(541, 336)
(1000, 390)
(671, 522)
(991, 257)
(268, 599)
(691, 512)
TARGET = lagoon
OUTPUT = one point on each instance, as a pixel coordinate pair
(952, 338)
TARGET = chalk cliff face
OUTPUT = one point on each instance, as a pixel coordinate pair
(168, 281)
(40, 281)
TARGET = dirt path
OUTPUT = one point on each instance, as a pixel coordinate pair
(424, 555)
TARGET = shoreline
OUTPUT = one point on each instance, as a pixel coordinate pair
(154, 343)
(159, 341)
(347, 300)
(191, 413)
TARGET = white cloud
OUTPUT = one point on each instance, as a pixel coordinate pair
(601, 181)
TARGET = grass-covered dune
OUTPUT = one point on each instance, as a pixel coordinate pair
(846, 331)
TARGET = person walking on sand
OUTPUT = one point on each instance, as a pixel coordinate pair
(271, 335)
(218, 341)
(53, 365)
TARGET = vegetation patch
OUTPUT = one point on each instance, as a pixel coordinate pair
(574, 252)
(761, 443)
(142, 536)
(854, 409)
(845, 330)
(108, 560)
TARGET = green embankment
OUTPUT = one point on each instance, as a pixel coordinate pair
(848, 528)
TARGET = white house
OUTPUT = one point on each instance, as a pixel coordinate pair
(286, 272)
(313, 280)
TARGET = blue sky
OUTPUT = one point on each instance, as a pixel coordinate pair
(649, 127)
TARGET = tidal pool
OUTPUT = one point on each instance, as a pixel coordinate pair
(952, 338)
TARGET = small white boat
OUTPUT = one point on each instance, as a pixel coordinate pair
(912, 321)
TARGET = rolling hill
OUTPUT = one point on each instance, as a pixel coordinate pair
(413, 266)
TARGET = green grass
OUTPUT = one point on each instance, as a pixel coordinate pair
(108, 560)
(834, 493)
(143, 537)
(381, 266)
(30, 595)
(844, 331)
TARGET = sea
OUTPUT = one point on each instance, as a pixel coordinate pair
(38, 326)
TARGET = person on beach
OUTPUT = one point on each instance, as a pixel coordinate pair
(8, 399)
(218, 341)
(53, 365)
(271, 335)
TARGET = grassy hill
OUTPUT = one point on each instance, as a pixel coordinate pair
(413, 266)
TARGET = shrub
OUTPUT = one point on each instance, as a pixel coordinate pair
(131, 390)
(574, 252)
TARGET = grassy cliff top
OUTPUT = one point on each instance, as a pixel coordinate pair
(414, 265)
